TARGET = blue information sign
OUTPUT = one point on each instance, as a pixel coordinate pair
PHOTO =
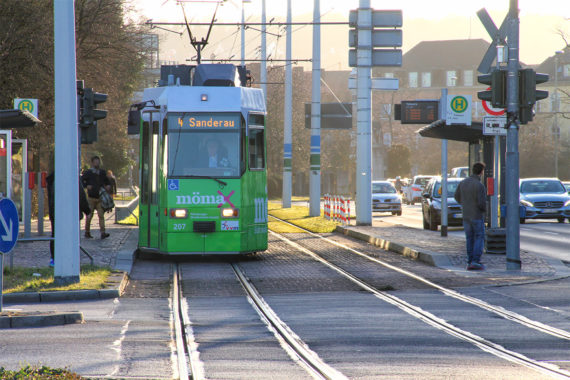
(173, 184)
(9, 225)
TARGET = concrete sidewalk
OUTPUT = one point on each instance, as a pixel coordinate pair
(449, 252)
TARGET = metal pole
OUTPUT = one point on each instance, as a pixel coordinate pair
(442, 108)
(512, 192)
(364, 115)
(287, 119)
(242, 34)
(315, 170)
(27, 217)
(41, 211)
(556, 131)
(66, 146)
(1, 279)
(263, 67)
(495, 196)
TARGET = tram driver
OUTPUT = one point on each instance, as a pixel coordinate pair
(217, 154)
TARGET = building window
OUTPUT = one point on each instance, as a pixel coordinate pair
(426, 79)
(566, 70)
(389, 75)
(451, 78)
(413, 79)
(468, 78)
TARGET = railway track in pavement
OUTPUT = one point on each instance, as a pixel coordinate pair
(432, 319)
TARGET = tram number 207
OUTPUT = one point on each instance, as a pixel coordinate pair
(179, 226)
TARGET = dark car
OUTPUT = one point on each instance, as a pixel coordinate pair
(431, 204)
(544, 198)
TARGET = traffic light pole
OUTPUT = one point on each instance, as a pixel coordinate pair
(364, 114)
(512, 188)
(315, 158)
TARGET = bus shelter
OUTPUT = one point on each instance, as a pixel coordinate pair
(14, 156)
(481, 149)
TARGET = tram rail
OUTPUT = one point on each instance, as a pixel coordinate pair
(433, 320)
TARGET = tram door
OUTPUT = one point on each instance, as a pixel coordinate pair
(149, 210)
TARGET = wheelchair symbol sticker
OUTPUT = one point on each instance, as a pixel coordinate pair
(173, 184)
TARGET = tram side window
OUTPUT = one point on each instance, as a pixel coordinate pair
(256, 151)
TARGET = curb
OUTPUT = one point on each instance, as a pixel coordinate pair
(117, 280)
(39, 319)
(427, 257)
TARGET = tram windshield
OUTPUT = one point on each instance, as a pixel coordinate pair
(204, 145)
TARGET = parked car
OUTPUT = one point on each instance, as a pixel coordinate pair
(460, 172)
(431, 204)
(413, 193)
(544, 198)
(385, 198)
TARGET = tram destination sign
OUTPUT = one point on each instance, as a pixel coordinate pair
(204, 121)
(417, 111)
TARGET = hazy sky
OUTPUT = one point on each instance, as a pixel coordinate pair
(423, 20)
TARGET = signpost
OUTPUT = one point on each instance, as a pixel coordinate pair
(494, 126)
(9, 228)
(458, 109)
(30, 105)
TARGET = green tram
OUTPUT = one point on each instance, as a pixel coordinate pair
(203, 179)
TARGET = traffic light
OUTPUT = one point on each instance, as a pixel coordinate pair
(89, 114)
(497, 95)
(528, 94)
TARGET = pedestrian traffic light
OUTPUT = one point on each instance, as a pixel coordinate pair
(528, 94)
(89, 114)
(497, 95)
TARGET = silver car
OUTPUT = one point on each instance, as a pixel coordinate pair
(385, 198)
(544, 198)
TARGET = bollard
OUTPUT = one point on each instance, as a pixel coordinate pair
(41, 212)
(29, 184)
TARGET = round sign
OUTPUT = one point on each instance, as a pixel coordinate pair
(459, 104)
(492, 110)
(9, 225)
(26, 105)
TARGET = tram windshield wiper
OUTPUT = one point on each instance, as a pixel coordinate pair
(209, 177)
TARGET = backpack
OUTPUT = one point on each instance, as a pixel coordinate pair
(107, 203)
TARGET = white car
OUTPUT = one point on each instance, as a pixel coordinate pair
(413, 193)
(385, 198)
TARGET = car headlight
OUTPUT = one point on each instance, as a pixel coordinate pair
(567, 203)
(526, 203)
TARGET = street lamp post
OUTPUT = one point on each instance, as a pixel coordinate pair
(556, 109)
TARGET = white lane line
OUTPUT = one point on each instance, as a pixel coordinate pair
(117, 347)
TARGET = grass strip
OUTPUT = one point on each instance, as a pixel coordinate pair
(20, 279)
(299, 216)
(131, 220)
(39, 373)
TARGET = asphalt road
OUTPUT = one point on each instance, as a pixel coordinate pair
(546, 237)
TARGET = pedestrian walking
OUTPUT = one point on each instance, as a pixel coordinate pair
(113, 183)
(470, 193)
(95, 180)
(398, 184)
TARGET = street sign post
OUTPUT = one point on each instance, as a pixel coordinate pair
(30, 105)
(494, 125)
(458, 109)
(9, 228)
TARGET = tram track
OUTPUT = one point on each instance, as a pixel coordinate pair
(437, 322)
(189, 365)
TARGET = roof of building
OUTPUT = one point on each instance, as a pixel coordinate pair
(547, 66)
(456, 54)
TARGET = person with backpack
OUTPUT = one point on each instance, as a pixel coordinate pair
(97, 183)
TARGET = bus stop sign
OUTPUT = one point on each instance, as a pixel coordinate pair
(9, 225)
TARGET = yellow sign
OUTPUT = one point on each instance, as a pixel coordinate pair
(459, 104)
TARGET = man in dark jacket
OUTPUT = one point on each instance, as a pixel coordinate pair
(471, 195)
(94, 179)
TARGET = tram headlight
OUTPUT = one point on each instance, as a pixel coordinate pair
(230, 213)
(178, 213)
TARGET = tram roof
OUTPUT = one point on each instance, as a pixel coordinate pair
(219, 99)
